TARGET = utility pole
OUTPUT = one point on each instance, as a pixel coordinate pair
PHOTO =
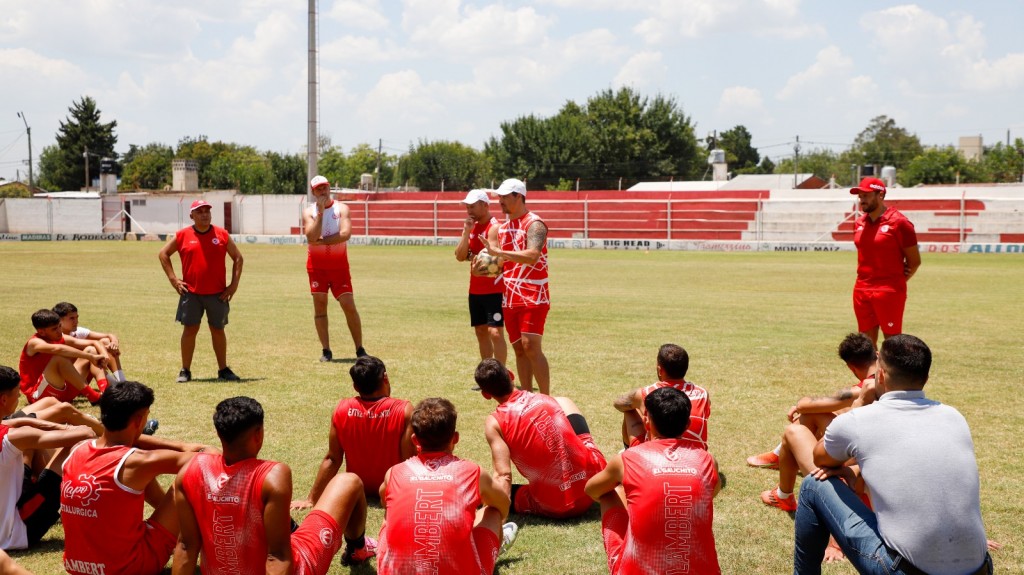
(796, 161)
(376, 171)
(85, 155)
(312, 93)
(28, 130)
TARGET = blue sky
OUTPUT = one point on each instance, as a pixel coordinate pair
(410, 70)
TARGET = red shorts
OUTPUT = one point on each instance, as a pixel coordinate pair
(485, 541)
(882, 309)
(528, 502)
(315, 543)
(529, 319)
(151, 554)
(614, 525)
(338, 281)
(46, 389)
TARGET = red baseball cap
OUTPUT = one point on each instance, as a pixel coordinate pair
(199, 204)
(869, 185)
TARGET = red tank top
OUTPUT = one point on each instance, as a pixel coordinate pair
(202, 259)
(31, 367)
(430, 503)
(333, 257)
(525, 285)
(479, 285)
(545, 449)
(228, 505)
(700, 408)
(669, 490)
(102, 517)
(370, 433)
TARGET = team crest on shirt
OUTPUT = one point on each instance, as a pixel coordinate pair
(433, 464)
(885, 228)
(326, 537)
(85, 489)
(216, 241)
(671, 453)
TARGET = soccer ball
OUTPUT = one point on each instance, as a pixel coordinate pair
(484, 264)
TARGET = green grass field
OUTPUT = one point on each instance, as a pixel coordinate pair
(761, 330)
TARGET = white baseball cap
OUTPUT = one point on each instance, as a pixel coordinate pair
(511, 186)
(477, 195)
(318, 181)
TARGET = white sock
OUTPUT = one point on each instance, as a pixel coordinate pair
(119, 375)
(782, 494)
(778, 449)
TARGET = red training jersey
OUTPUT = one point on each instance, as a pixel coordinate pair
(700, 408)
(480, 285)
(880, 246)
(669, 490)
(228, 504)
(430, 503)
(333, 257)
(102, 517)
(31, 367)
(545, 449)
(202, 259)
(525, 285)
(370, 434)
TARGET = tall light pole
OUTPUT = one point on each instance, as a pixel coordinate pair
(28, 131)
(312, 93)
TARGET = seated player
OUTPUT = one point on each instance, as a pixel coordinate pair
(29, 499)
(858, 353)
(233, 508)
(548, 440)
(371, 430)
(109, 346)
(673, 362)
(107, 481)
(447, 518)
(48, 367)
(659, 519)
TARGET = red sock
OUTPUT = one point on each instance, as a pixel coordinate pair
(91, 394)
(102, 384)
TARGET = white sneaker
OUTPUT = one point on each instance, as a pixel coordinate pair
(509, 532)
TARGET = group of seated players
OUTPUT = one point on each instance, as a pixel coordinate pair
(443, 514)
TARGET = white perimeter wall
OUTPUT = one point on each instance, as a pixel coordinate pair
(55, 216)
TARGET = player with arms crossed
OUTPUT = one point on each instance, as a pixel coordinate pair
(108, 343)
(52, 365)
(485, 288)
(328, 227)
(234, 508)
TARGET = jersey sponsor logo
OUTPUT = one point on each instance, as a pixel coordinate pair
(678, 513)
(567, 485)
(356, 412)
(221, 480)
(84, 567)
(429, 512)
(423, 478)
(84, 490)
(674, 471)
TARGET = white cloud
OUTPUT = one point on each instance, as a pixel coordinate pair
(830, 67)
(670, 20)
(401, 97)
(740, 99)
(360, 15)
(599, 45)
(492, 29)
(642, 70)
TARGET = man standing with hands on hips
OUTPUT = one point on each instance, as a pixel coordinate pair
(327, 227)
(523, 243)
(887, 256)
(202, 288)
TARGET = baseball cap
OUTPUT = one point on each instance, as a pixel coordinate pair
(511, 186)
(475, 196)
(199, 204)
(869, 185)
(318, 181)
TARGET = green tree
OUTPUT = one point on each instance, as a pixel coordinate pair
(443, 165)
(62, 166)
(542, 151)
(362, 159)
(883, 143)
(823, 163)
(147, 167)
(943, 165)
(1004, 164)
(741, 156)
(332, 165)
(287, 174)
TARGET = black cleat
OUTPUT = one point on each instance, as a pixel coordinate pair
(227, 375)
(327, 356)
(184, 376)
(151, 426)
(360, 352)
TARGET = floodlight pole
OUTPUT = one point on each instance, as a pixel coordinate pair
(28, 131)
(312, 89)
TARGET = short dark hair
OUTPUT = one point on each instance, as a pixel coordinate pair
(668, 410)
(45, 318)
(121, 401)
(234, 416)
(858, 350)
(433, 422)
(674, 360)
(9, 378)
(493, 378)
(64, 308)
(367, 374)
(907, 360)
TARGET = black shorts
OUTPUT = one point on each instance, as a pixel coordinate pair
(192, 306)
(578, 423)
(485, 309)
(39, 505)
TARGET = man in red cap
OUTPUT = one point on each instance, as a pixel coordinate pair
(202, 287)
(887, 256)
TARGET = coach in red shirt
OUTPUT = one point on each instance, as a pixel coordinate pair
(202, 286)
(887, 256)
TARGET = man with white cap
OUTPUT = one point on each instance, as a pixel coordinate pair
(522, 243)
(202, 288)
(327, 227)
(887, 256)
(485, 314)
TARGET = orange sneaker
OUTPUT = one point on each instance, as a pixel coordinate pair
(767, 460)
(771, 498)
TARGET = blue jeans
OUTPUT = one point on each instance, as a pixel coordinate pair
(831, 507)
